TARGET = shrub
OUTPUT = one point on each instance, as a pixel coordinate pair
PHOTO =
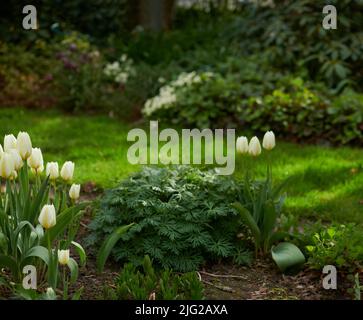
(182, 218)
(148, 284)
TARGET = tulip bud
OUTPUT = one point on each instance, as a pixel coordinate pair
(67, 171)
(74, 191)
(269, 140)
(63, 257)
(254, 147)
(24, 145)
(47, 217)
(9, 142)
(6, 165)
(18, 161)
(52, 170)
(14, 175)
(35, 161)
(242, 145)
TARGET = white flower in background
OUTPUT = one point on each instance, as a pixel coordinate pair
(7, 165)
(18, 161)
(1, 150)
(35, 161)
(9, 142)
(67, 171)
(254, 148)
(269, 140)
(242, 145)
(24, 145)
(167, 96)
(120, 70)
(47, 217)
(52, 170)
(74, 191)
(63, 257)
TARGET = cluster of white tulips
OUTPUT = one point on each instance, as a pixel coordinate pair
(31, 210)
(254, 146)
(18, 150)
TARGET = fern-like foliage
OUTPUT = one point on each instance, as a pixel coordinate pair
(183, 217)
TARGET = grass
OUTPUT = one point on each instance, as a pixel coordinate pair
(326, 183)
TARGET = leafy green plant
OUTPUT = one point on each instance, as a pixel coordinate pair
(149, 284)
(31, 229)
(182, 218)
(339, 245)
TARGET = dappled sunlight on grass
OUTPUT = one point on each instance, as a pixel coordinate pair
(326, 183)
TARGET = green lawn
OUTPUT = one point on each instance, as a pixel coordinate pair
(327, 182)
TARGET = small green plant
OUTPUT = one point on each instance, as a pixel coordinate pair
(149, 284)
(339, 245)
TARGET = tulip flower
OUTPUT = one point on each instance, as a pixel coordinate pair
(67, 171)
(9, 142)
(35, 161)
(1, 150)
(74, 191)
(47, 217)
(52, 170)
(269, 140)
(18, 161)
(242, 145)
(24, 145)
(254, 148)
(14, 175)
(7, 165)
(63, 257)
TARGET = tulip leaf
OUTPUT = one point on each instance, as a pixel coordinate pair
(38, 252)
(81, 252)
(36, 205)
(73, 267)
(288, 257)
(108, 245)
(250, 222)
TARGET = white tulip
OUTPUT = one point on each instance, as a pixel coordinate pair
(74, 191)
(269, 140)
(1, 150)
(67, 171)
(63, 257)
(254, 148)
(9, 142)
(47, 217)
(35, 161)
(24, 145)
(242, 145)
(18, 161)
(52, 170)
(7, 165)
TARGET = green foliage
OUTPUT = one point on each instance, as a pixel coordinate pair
(291, 33)
(182, 217)
(339, 245)
(147, 284)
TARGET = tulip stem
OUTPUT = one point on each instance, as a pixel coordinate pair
(65, 284)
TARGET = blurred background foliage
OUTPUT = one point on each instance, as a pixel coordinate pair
(270, 64)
